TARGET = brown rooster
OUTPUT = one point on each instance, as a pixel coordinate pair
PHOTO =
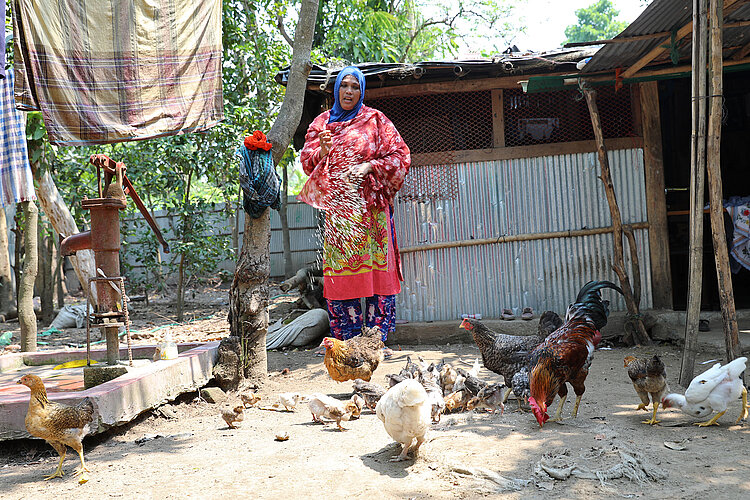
(58, 424)
(505, 354)
(357, 357)
(649, 378)
(565, 356)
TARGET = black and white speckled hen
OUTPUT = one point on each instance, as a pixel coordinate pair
(505, 354)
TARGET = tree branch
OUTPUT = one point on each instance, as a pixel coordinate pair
(282, 30)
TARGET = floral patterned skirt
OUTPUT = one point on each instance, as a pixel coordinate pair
(360, 254)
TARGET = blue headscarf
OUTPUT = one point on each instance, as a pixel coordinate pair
(338, 114)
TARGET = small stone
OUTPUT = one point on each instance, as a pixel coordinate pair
(213, 394)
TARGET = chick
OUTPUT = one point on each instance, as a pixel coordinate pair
(649, 378)
(236, 414)
(322, 406)
(249, 398)
(370, 391)
(448, 376)
(457, 401)
(289, 400)
(488, 397)
(359, 404)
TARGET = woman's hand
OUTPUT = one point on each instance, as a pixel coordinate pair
(326, 143)
(358, 172)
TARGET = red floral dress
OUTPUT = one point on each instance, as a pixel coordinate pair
(359, 249)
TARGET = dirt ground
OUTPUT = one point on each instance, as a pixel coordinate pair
(468, 454)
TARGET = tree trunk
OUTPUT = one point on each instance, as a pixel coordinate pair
(244, 352)
(7, 302)
(62, 221)
(26, 316)
(44, 281)
(284, 217)
(187, 217)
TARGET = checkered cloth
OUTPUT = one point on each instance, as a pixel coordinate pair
(16, 182)
(259, 180)
(2, 45)
(113, 70)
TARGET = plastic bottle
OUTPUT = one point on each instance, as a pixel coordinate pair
(168, 348)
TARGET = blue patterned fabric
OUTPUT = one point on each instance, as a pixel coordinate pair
(346, 316)
(2, 45)
(16, 182)
(259, 180)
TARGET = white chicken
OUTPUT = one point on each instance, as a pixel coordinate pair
(322, 406)
(406, 413)
(289, 400)
(712, 391)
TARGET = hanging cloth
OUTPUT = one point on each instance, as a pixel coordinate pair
(112, 71)
(258, 178)
(16, 181)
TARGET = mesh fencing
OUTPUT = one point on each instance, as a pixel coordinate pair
(436, 126)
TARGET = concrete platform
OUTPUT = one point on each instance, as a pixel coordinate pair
(116, 402)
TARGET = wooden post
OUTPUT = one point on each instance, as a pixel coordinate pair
(618, 263)
(721, 252)
(26, 315)
(697, 174)
(656, 203)
(498, 119)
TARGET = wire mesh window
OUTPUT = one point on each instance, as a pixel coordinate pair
(440, 123)
(563, 116)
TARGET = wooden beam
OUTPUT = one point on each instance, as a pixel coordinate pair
(498, 119)
(715, 191)
(729, 6)
(537, 150)
(618, 259)
(574, 233)
(501, 82)
(697, 175)
(649, 36)
(656, 204)
(656, 52)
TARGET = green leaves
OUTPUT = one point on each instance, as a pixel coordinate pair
(596, 22)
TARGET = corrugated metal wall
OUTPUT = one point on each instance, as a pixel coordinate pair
(510, 197)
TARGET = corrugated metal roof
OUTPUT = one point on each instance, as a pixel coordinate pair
(663, 16)
(512, 64)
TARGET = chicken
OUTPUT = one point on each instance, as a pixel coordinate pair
(490, 396)
(359, 404)
(405, 411)
(448, 376)
(649, 379)
(505, 354)
(712, 391)
(521, 385)
(370, 391)
(469, 382)
(59, 424)
(325, 406)
(457, 401)
(289, 400)
(430, 380)
(236, 414)
(565, 355)
(249, 398)
(357, 357)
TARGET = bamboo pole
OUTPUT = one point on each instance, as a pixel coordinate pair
(518, 237)
(618, 264)
(715, 191)
(697, 174)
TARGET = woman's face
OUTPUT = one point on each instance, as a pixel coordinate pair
(349, 92)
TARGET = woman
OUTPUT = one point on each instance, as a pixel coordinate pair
(357, 162)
